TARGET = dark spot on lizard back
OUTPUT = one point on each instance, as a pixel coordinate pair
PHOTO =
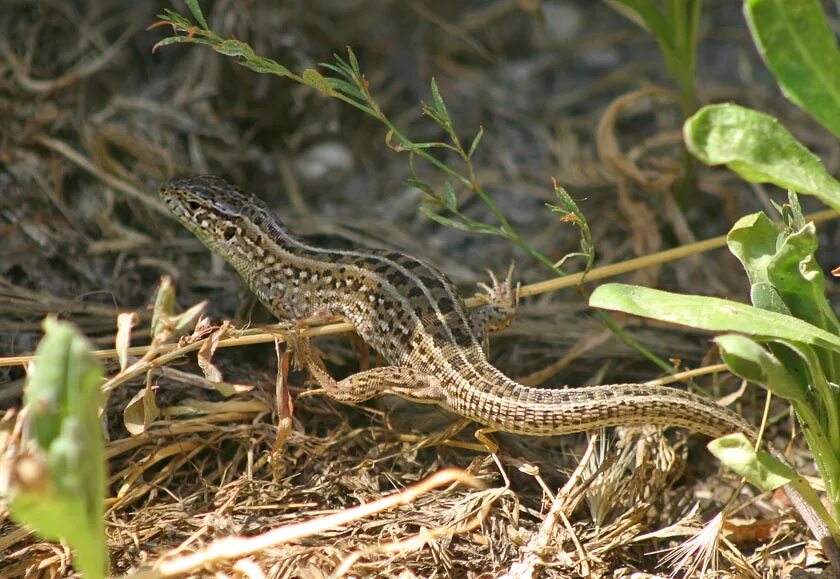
(413, 264)
(432, 282)
(462, 337)
(396, 278)
(415, 291)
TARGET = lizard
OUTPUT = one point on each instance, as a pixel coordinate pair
(414, 316)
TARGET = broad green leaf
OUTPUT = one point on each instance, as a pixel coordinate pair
(800, 281)
(826, 399)
(759, 149)
(783, 271)
(763, 295)
(753, 241)
(767, 472)
(714, 314)
(761, 469)
(64, 383)
(800, 48)
(62, 398)
(750, 361)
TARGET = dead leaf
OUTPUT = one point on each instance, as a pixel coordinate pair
(125, 323)
(142, 409)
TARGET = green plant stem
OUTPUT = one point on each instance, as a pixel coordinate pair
(824, 455)
(369, 106)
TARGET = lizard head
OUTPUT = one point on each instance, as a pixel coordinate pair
(228, 220)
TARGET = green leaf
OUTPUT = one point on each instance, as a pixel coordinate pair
(196, 12)
(65, 381)
(759, 149)
(712, 314)
(174, 18)
(440, 106)
(566, 207)
(347, 88)
(265, 66)
(569, 212)
(761, 469)
(353, 63)
(763, 295)
(800, 48)
(462, 224)
(783, 271)
(753, 241)
(235, 48)
(768, 473)
(182, 40)
(317, 81)
(750, 361)
(432, 145)
(799, 279)
(676, 32)
(475, 142)
(422, 186)
(653, 19)
(450, 199)
(341, 68)
(826, 399)
(62, 398)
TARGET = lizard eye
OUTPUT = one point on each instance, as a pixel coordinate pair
(194, 206)
(229, 233)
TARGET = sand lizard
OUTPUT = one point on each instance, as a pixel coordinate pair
(413, 315)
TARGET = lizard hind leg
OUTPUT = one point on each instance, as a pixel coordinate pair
(405, 382)
(500, 309)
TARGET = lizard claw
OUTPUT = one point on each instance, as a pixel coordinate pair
(502, 302)
(504, 293)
